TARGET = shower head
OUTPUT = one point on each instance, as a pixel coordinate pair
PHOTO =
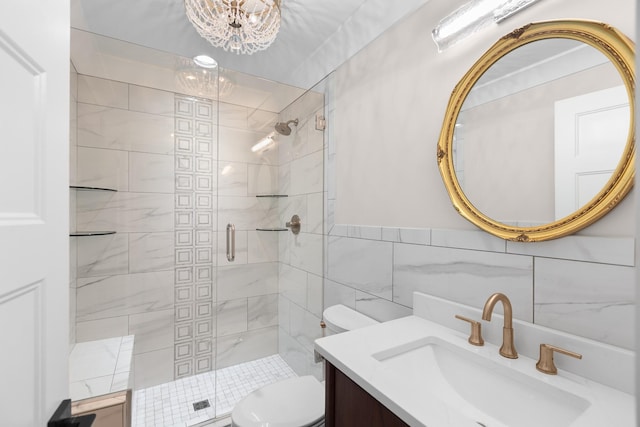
(283, 128)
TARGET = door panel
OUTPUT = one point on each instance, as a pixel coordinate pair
(34, 297)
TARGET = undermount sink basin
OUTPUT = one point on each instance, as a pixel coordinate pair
(488, 391)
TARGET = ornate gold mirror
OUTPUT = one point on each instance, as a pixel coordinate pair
(538, 137)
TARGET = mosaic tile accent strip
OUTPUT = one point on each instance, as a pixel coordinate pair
(194, 252)
(171, 404)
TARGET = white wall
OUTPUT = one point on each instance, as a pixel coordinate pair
(390, 104)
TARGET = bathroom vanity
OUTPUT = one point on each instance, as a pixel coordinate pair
(421, 370)
(348, 404)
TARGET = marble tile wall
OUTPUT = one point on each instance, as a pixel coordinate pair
(301, 174)
(73, 154)
(125, 282)
(580, 285)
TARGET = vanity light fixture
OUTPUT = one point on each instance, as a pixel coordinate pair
(472, 17)
(264, 143)
(240, 26)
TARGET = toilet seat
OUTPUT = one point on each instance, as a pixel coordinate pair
(294, 402)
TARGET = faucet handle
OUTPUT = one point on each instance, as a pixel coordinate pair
(545, 362)
(476, 331)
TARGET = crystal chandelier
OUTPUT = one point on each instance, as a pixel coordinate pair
(241, 26)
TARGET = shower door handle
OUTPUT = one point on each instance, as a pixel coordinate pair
(231, 242)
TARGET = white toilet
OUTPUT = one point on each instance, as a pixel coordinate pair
(299, 401)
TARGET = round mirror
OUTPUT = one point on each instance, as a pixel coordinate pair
(537, 141)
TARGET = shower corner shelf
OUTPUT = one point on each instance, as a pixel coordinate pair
(84, 188)
(90, 233)
(271, 195)
(271, 229)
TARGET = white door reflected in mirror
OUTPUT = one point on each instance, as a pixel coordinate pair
(590, 133)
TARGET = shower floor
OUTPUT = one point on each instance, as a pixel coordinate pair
(171, 404)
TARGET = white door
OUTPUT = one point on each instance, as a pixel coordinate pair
(34, 153)
(590, 135)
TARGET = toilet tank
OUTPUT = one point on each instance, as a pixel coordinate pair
(340, 318)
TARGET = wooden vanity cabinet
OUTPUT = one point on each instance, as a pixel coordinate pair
(348, 405)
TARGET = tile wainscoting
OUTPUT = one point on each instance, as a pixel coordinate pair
(577, 284)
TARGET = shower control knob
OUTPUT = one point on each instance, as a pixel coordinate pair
(294, 224)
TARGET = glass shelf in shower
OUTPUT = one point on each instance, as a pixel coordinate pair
(90, 233)
(272, 229)
(83, 188)
(272, 195)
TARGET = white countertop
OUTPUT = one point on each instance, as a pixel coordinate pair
(408, 397)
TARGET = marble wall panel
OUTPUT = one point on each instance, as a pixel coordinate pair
(247, 346)
(233, 116)
(362, 264)
(151, 252)
(103, 255)
(406, 235)
(284, 178)
(261, 120)
(314, 294)
(297, 357)
(284, 311)
(105, 127)
(151, 173)
(262, 179)
(247, 213)
(467, 239)
(315, 214)
(262, 311)
(109, 327)
(73, 250)
(464, 276)
(231, 317)
(103, 168)
(235, 146)
(292, 283)
(153, 101)
(305, 327)
(307, 174)
(125, 212)
(380, 309)
(336, 293)
(613, 250)
(153, 368)
(112, 296)
(306, 252)
(233, 179)
(592, 300)
(153, 330)
(247, 281)
(109, 93)
(262, 246)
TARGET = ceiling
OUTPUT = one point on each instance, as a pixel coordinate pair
(306, 26)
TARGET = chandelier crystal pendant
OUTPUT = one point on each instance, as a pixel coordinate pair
(241, 26)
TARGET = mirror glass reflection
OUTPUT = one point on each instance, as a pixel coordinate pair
(541, 132)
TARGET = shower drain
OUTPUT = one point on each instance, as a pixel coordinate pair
(201, 405)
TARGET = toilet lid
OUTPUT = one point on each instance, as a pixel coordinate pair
(294, 402)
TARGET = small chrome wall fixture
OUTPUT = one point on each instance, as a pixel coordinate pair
(294, 224)
(473, 16)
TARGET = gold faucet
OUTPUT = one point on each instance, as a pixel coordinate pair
(476, 331)
(508, 349)
(545, 362)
